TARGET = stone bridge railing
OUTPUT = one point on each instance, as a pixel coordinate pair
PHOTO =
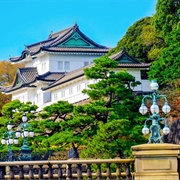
(68, 170)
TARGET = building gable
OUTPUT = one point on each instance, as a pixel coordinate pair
(76, 40)
(18, 82)
(125, 59)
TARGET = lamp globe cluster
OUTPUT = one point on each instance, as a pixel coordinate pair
(154, 109)
(11, 137)
(24, 132)
(8, 137)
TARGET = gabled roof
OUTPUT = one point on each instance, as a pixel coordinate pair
(25, 77)
(67, 40)
(67, 77)
(127, 61)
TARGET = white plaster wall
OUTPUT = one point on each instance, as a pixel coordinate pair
(29, 64)
(37, 62)
(31, 96)
(76, 61)
(76, 94)
(42, 98)
(22, 96)
(145, 84)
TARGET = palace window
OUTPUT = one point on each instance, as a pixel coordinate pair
(43, 67)
(62, 94)
(70, 91)
(60, 65)
(46, 97)
(55, 96)
(78, 88)
(66, 65)
(144, 74)
(86, 63)
(39, 98)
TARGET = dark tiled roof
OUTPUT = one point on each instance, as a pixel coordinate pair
(67, 77)
(51, 76)
(28, 76)
(55, 39)
(77, 50)
(133, 63)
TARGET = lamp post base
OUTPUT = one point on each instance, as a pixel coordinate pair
(10, 155)
(25, 154)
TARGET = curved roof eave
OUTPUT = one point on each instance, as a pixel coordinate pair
(57, 84)
(17, 88)
(131, 65)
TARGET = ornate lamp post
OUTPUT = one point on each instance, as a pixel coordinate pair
(23, 131)
(9, 138)
(155, 135)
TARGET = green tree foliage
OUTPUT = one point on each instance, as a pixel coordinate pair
(15, 109)
(167, 20)
(13, 112)
(57, 110)
(52, 125)
(167, 16)
(111, 116)
(141, 41)
(166, 68)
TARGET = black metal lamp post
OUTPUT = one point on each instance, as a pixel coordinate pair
(23, 131)
(155, 134)
(9, 138)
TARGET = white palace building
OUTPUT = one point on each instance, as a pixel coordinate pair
(54, 68)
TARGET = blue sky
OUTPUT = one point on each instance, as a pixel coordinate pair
(24, 22)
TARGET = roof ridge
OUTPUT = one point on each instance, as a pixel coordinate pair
(53, 34)
(40, 42)
(61, 38)
(50, 38)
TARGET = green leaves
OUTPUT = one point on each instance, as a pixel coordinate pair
(140, 41)
(104, 126)
(15, 109)
(166, 16)
(59, 110)
(166, 68)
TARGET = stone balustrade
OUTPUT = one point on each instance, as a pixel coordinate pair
(157, 161)
(68, 169)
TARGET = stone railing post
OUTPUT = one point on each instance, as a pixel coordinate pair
(156, 161)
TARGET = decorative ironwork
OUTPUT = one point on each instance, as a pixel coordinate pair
(155, 135)
(9, 138)
(23, 131)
